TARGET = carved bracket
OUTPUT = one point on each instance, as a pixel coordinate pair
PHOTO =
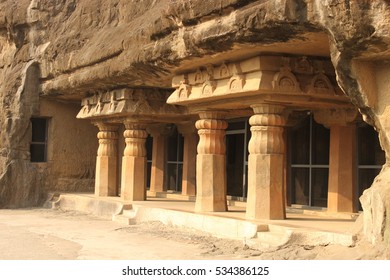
(320, 84)
(332, 117)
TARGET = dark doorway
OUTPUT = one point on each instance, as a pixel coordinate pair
(38, 145)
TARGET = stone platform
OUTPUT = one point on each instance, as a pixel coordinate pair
(309, 227)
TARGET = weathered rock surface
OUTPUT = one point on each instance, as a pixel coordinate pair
(83, 47)
(20, 185)
(360, 49)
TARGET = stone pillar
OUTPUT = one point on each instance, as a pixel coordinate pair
(158, 172)
(342, 169)
(188, 131)
(342, 158)
(106, 160)
(266, 164)
(133, 183)
(211, 163)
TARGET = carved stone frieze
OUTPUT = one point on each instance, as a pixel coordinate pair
(125, 102)
(285, 81)
(320, 84)
(224, 71)
(236, 83)
(184, 88)
(237, 80)
(295, 80)
(209, 84)
(303, 66)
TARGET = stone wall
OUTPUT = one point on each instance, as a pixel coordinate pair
(72, 146)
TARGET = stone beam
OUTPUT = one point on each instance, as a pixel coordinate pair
(127, 102)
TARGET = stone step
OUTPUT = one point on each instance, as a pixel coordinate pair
(272, 239)
(127, 217)
(278, 236)
(171, 195)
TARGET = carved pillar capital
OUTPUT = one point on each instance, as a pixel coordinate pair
(107, 136)
(267, 109)
(187, 128)
(294, 118)
(159, 129)
(267, 130)
(212, 114)
(135, 137)
(103, 126)
(211, 132)
(134, 124)
(338, 117)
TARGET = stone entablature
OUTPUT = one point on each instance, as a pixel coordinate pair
(296, 81)
(128, 102)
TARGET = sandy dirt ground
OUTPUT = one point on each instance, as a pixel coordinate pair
(43, 234)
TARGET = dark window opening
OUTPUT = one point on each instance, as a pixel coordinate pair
(237, 139)
(38, 146)
(175, 143)
(149, 152)
(309, 148)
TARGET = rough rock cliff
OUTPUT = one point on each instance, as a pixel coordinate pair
(66, 49)
(19, 96)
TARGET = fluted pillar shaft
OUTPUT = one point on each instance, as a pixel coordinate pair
(133, 183)
(106, 160)
(211, 163)
(265, 163)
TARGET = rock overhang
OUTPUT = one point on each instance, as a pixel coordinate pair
(132, 53)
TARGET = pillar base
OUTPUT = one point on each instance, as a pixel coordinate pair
(105, 181)
(265, 187)
(211, 183)
(133, 186)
